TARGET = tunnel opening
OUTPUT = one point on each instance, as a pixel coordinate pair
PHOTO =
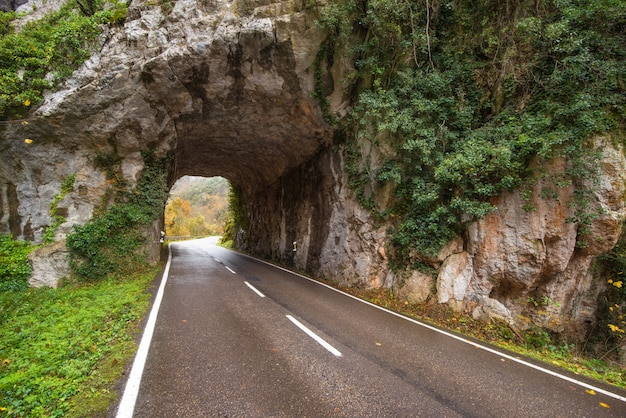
(196, 207)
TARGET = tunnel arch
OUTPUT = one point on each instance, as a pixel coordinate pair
(217, 91)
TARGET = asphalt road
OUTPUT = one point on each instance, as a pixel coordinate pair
(236, 337)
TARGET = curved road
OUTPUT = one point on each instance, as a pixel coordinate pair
(237, 337)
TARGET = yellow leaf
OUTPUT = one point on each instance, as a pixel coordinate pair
(28, 141)
(26, 102)
(591, 391)
(618, 284)
(603, 405)
(24, 122)
(610, 281)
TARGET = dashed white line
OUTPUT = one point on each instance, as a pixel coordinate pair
(254, 289)
(127, 404)
(313, 335)
(229, 269)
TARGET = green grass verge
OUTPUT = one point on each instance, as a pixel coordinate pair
(62, 350)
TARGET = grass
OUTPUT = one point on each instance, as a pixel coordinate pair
(62, 350)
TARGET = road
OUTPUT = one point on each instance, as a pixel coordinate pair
(237, 337)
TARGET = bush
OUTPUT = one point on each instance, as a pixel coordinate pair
(53, 46)
(14, 264)
(467, 96)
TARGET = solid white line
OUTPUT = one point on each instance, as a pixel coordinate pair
(229, 269)
(457, 337)
(127, 404)
(254, 289)
(313, 335)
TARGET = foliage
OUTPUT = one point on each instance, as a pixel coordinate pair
(612, 303)
(110, 241)
(57, 220)
(53, 340)
(45, 52)
(197, 207)
(14, 264)
(196, 189)
(467, 94)
(237, 215)
(5, 22)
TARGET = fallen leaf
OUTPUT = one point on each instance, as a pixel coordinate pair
(603, 405)
(28, 141)
(184, 320)
(591, 391)
(378, 344)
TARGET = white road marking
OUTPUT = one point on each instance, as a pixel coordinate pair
(127, 404)
(254, 289)
(229, 269)
(456, 337)
(316, 337)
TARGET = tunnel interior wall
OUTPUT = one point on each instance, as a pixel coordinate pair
(312, 209)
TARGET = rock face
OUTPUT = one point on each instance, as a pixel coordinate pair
(529, 260)
(225, 88)
(8, 5)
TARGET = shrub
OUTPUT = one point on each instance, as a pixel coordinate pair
(14, 264)
(467, 96)
(50, 48)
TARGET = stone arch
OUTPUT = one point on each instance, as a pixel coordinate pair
(222, 93)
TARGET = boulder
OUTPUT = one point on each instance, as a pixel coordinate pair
(50, 264)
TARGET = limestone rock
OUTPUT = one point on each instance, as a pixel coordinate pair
(225, 88)
(417, 288)
(521, 255)
(8, 5)
(489, 309)
(454, 278)
(49, 263)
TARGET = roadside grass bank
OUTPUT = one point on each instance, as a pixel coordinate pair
(533, 343)
(63, 350)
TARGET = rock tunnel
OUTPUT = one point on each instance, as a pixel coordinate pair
(222, 89)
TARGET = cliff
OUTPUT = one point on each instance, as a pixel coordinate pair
(231, 88)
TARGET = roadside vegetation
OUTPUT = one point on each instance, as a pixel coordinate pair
(467, 95)
(45, 52)
(63, 349)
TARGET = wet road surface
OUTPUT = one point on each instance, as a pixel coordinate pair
(236, 337)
